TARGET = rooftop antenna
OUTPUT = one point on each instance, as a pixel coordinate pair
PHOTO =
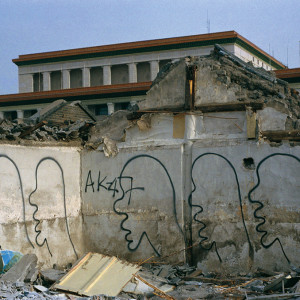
(299, 53)
(207, 22)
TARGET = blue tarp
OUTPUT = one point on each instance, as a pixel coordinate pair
(9, 258)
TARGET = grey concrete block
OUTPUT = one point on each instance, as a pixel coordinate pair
(20, 270)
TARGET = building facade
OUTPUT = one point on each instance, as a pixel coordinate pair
(109, 78)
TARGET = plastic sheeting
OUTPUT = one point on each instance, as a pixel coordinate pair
(8, 259)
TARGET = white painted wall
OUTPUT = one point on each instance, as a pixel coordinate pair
(44, 178)
(214, 147)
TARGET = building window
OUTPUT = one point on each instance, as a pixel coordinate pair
(29, 113)
(101, 110)
(96, 76)
(37, 82)
(10, 115)
(122, 106)
(56, 80)
(75, 78)
(119, 74)
(143, 72)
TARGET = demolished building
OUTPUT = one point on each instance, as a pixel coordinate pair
(206, 169)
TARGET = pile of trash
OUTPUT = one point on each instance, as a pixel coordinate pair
(97, 276)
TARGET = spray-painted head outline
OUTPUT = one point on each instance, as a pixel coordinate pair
(125, 215)
(22, 195)
(200, 208)
(37, 231)
(261, 205)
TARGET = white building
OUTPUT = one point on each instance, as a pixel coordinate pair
(108, 78)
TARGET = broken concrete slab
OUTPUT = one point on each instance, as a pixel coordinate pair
(20, 270)
(32, 275)
(52, 275)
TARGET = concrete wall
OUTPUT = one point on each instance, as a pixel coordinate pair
(25, 72)
(143, 72)
(41, 186)
(146, 195)
(119, 74)
(96, 76)
(25, 83)
(56, 80)
(76, 78)
(198, 170)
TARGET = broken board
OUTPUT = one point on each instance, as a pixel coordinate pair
(97, 274)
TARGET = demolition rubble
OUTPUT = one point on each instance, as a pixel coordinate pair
(141, 281)
(223, 83)
(222, 105)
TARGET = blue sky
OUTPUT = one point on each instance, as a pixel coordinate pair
(31, 26)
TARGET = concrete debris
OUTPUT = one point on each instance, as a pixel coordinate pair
(21, 269)
(14, 131)
(32, 275)
(110, 148)
(144, 123)
(51, 275)
(152, 281)
(61, 111)
(222, 83)
(112, 126)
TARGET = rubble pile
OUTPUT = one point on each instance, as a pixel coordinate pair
(152, 281)
(251, 84)
(69, 131)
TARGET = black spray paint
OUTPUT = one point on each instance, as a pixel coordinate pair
(200, 208)
(38, 232)
(261, 205)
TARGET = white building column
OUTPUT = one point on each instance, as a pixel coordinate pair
(86, 77)
(106, 75)
(111, 108)
(132, 72)
(154, 69)
(46, 81)
(20, 114)
(1, 114)
(66, 79)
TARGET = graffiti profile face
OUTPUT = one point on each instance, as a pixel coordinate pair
(215, 197)
(17, 190)
(145, 186)
(277, 178)
(52, 203)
